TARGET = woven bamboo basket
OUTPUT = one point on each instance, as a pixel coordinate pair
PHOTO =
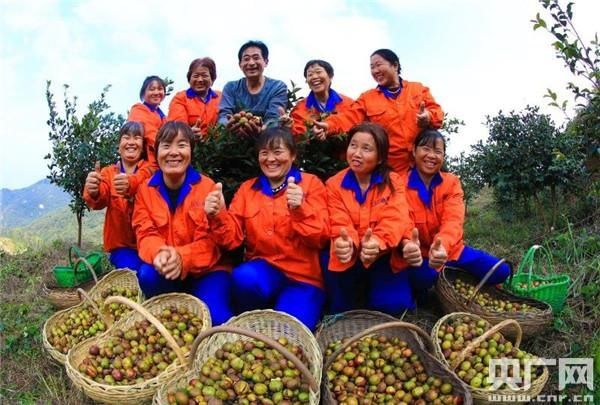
(355, 325)
(482, 396)
(531, 322)
(117, 278)
(266, 325)
(62, 297)
(141, 392)
(60, 317)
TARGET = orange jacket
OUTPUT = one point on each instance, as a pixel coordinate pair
(443, 217)
(117, 221)
(398, 117)
(385, 213)
(187, 107)
(288, 239)
(301, 114)
(151, 120)
(186, 228)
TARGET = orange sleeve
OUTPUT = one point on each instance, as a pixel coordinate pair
(145, 222)
(300, 115)
(310, 220)
(339, 218)
(202, 253)
(138, 113)
(437, 115)
(177, 108)
(348, 117)
(103, 198)
(144, 172)
(227, 226)
(453, 216)
(393, 222)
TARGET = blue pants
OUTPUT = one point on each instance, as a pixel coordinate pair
(477, 262)
(258, 285)
(125, 257)
(213, 288)
(375, 288)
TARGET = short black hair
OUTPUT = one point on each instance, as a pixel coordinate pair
(134, 128)
(271, 138)
(148, 81)
(388, 55)
(428, 137)
(324, 64)
(264, 51)
(170, 130)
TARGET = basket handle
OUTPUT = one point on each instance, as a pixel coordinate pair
(88, 265)
(314, 385)
(529, 259)
(153, 320)
(83, 296)
(484, 279)
(475, 342)
(78, 253)
(377, 328)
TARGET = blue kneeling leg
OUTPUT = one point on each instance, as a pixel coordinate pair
(124, 257)
(214, 289)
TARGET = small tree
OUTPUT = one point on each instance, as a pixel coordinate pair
(526, 156)
(78, 143)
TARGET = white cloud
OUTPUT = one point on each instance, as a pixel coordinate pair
(477, 57)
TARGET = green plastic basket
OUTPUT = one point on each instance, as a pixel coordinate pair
(77, 272)
(548, 287)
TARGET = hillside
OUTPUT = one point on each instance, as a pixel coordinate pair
(22, 206)
(59, 224)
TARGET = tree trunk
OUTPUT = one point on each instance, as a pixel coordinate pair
(79, 226)
(554, 204)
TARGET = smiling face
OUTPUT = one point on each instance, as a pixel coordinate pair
(275, 162)
(252, 63)
(318, 79)
(200, 80)
(174, 156)
(429, 157)
(384, 72)
(361, 155)
(131, 147)
(155, 93)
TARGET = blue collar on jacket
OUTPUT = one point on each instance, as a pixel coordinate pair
(350, 182)
(190, 93)
(156, 109)
(135, 169)
(416, 183)
(191, 177)
(332, 101)
(388, 94)
(262, 183)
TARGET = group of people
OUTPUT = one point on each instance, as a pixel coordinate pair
(375, 235)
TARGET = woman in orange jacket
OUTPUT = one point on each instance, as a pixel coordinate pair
(436, 204)
(197, 106)
(322, 100)
(148, 112)
(172, 231)
(282, 216)
(369, 218)
(113, 188)
(403, 108)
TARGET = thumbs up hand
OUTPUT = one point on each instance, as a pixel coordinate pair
(92, 181)
(437, 255)
(197, 130)
(214, 202)
(343, 247)
(423, 116)
(369, 248)
(319, 130)
(121, 181)
(411, 251)
(294, 194)
(284, 118)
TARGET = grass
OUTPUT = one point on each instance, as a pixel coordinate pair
(29, 376)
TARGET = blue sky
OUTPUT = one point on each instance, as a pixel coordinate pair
(476, 56)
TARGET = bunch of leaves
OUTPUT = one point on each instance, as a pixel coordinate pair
(467, 167)
(525, 155)
(77, 143)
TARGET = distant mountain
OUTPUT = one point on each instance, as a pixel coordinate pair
(23, 206)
